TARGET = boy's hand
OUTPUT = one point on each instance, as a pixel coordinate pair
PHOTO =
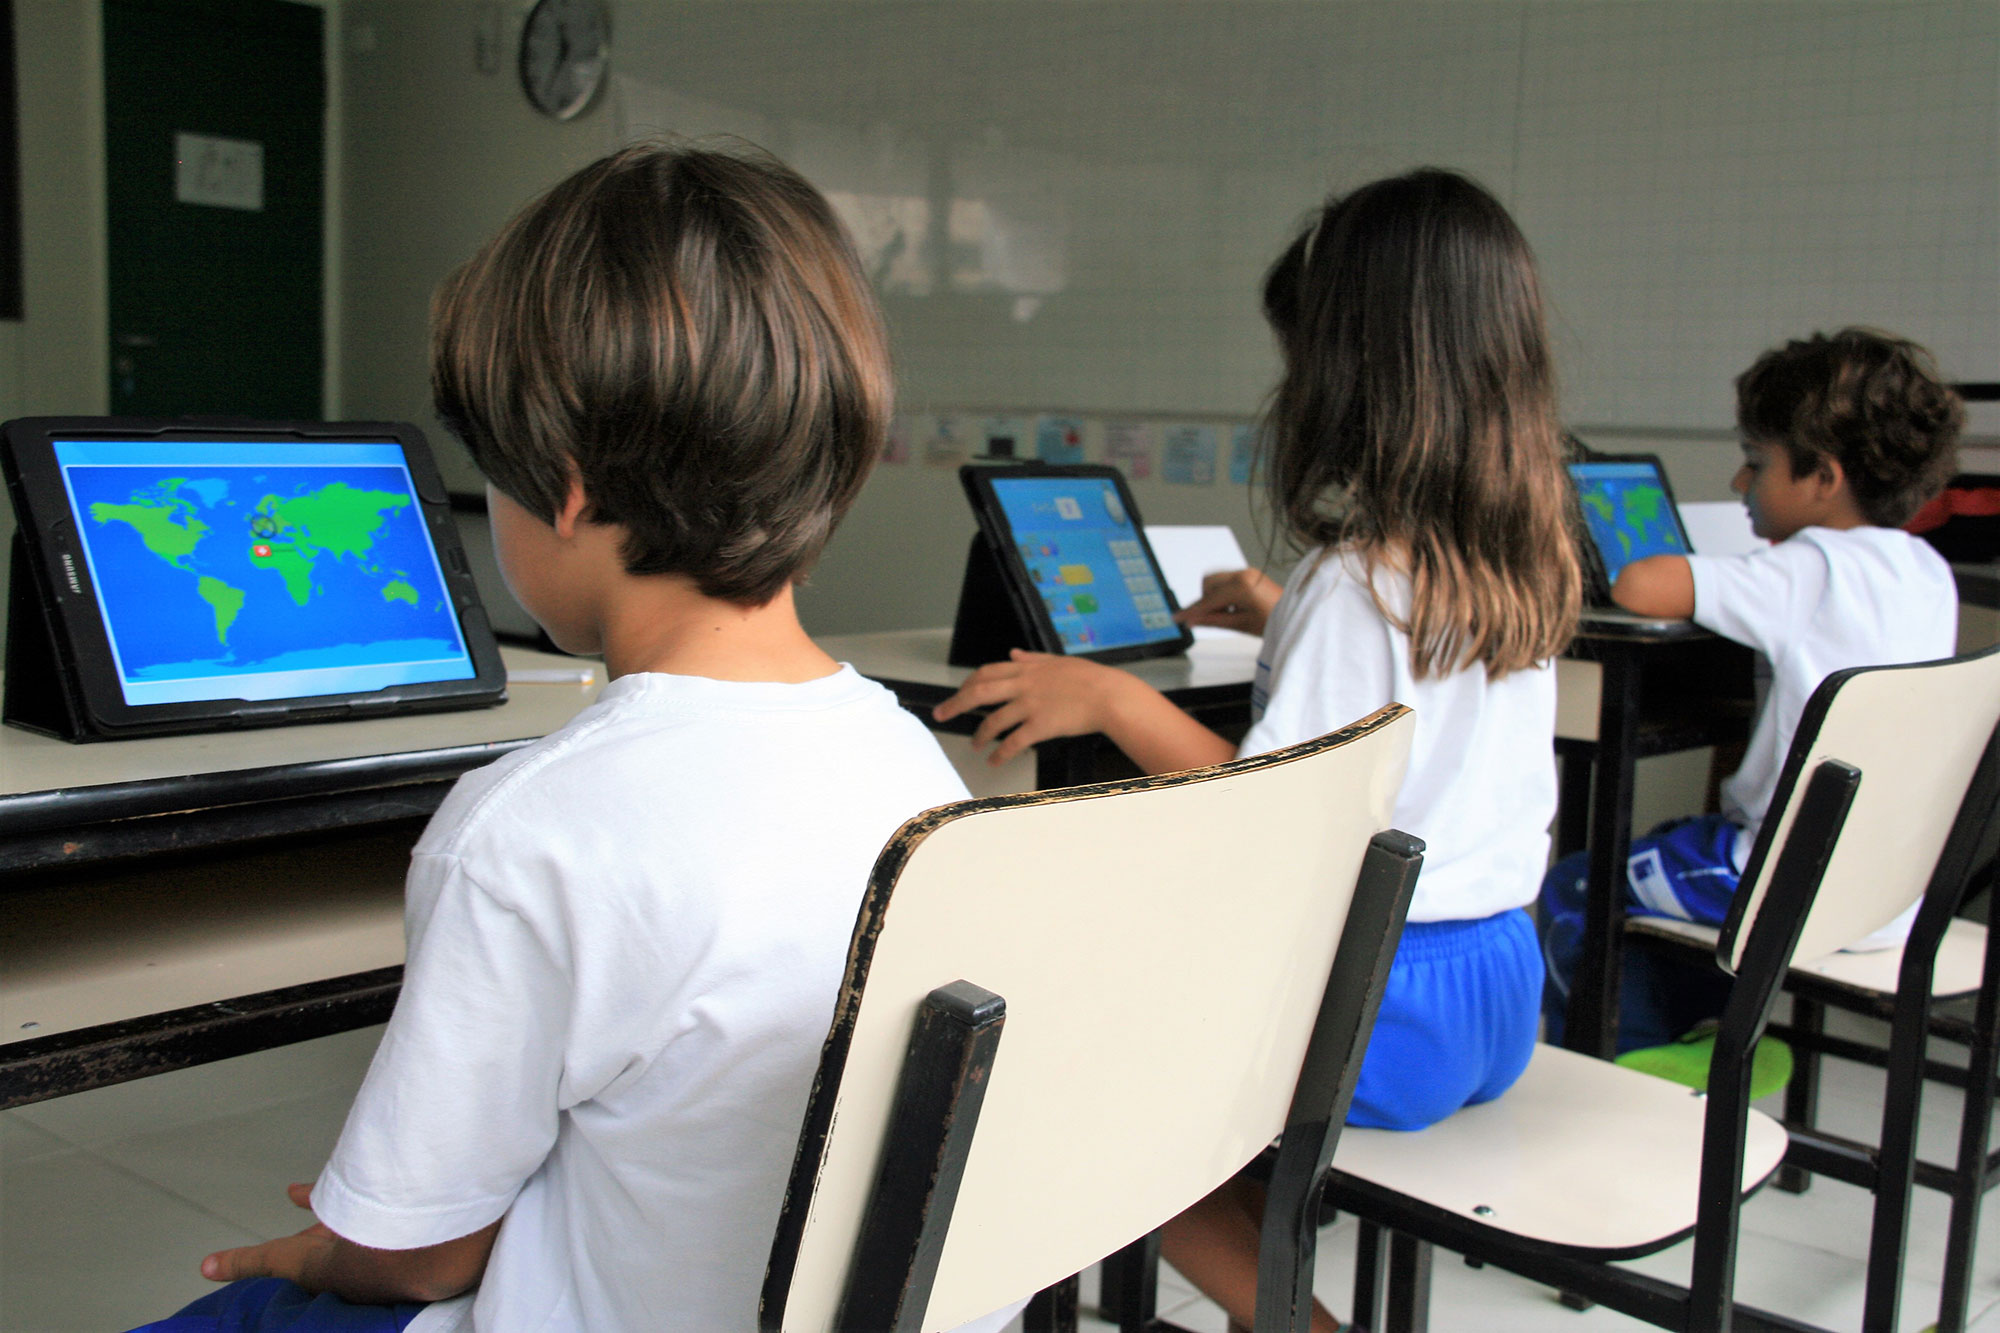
(1240, 599)
(301, 1258)
(1658, 585)
(1036, 696)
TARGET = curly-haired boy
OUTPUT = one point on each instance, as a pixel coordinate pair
(1845, 437)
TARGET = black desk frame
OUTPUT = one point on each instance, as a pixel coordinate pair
(1659, 695)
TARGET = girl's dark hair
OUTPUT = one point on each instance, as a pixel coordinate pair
(1871, 400)
(1416, 420)
(688, 333)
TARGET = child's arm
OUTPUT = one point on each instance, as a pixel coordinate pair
(1038, 696)
(1241, 599)
(318, 1260)
(1659, 585)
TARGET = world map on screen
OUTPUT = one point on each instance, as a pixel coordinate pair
(262, 569)
(1630, 517)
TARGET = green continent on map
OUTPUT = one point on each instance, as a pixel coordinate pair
(226, 601)
(337, 519)
(154, 521)
(292, 565)
(1642, 503)
(395, 590)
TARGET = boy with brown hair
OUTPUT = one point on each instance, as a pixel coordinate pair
(1844, 438)
(625, 940)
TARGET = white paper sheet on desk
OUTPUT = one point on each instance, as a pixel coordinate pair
(1720, 527)
(1188, 553)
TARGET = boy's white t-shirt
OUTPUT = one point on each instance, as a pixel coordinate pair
(1480, 789)
(625, 943)
(1821, 601)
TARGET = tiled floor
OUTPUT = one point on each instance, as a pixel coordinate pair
(108, 1199)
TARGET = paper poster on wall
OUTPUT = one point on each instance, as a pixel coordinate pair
(1242, 453)
(1059, 440)
(1008, 437)
(1129, 444)
(896, 449)
(946, 445)
(221, 173)
(1187, 455)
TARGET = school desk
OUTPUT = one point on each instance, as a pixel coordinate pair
(122, 957)
(1212, 682)
(1626, 691)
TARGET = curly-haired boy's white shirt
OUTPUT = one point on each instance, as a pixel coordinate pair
(1822, 600)
(625, 943)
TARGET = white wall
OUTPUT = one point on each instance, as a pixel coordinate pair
(1086, 194)
(54, 360)
(1068, 206)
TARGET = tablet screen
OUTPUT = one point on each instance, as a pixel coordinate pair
(1628, 511)
(260, 570)
(1085, 560)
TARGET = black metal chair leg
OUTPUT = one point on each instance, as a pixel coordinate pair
(1409, 1309)
(1371, 1273)
(1802, 1093)
(1129, 1285)
(1975, 1141)
(1052, 1309)
(1903, 1093)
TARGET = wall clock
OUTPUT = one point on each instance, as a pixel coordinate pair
(565, 54)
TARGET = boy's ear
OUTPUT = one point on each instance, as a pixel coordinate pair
(572, 511)
(1828, 476)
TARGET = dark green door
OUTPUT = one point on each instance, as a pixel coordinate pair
(214, 117)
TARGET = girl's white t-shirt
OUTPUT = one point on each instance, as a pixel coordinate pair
(625, 942)
(1480, 789)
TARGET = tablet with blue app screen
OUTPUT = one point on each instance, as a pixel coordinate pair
(1074, 558)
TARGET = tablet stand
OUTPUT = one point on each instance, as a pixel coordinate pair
(987, 624)
(40, 690)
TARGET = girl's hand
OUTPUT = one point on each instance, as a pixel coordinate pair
(1036, 696)
(1240, 599)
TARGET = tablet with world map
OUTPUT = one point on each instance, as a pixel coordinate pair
(248, 575)
(1629, 513)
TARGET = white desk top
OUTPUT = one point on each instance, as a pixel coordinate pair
(917, 657)
(35, 763)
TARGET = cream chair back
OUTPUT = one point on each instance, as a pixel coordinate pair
(1162, 946)
(1918, 734)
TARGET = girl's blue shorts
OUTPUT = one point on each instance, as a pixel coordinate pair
(273, 1305)
(1457, 1024)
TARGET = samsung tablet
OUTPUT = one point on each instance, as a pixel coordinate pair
(1073, 557)
(192, 576)
(1629, 513)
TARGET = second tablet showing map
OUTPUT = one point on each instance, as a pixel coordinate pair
(1628, 509)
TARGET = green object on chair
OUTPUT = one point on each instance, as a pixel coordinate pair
(1685, 1061)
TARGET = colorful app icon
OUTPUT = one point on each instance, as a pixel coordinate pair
(1077, 574)
(1083, 604)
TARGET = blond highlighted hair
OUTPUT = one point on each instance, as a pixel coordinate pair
(1416, 420)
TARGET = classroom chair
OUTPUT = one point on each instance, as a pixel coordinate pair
(1584, 1162)
(1944, 717)
(1068, 1015)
